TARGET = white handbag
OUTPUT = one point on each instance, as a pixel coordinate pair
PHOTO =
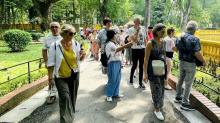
(158, 67)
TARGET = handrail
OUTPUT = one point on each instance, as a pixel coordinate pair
(27, 73)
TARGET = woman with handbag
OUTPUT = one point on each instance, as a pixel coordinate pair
(64, 58)
(155, 68)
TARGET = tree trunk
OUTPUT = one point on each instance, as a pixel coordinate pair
(43, 7)
(9, 14)
(147, 13)
(103, 9)
(80, 14)
(13, 15)
(203, 4)
(74, 12)
(2, 11)
(186, 14)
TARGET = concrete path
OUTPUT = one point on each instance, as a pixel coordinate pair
(135, 107)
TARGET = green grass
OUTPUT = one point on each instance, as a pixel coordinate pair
(33, 51)
(7, 58)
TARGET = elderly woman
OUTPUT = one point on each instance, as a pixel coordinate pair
(156, 51)
(64, 58)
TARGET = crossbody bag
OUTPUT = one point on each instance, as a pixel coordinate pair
(73, 74)
(159, 65)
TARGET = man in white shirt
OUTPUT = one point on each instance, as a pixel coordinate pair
(138, 50)
(55, 30)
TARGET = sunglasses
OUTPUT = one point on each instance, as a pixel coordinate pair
(53, 27)
(72, 33)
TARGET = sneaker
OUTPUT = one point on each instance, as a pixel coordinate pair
(187, 107)
(159, 115)
(142, 86)
(109, 99)
(152, 102)
(119, 96)
(167, 87)
(178, 100)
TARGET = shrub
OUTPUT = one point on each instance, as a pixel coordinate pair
(17, 40)
(36, 36)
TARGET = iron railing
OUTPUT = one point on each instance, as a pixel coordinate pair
(28, 73)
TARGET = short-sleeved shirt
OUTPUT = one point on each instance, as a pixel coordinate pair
(111, 53)
(141, 38)
(101, 38)
(170, 43)
(188, 49)
(49, 40)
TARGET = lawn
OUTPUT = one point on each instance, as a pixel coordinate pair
(33, 51)
(7, 59)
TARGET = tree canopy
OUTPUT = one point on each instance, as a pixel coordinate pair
(174, 12)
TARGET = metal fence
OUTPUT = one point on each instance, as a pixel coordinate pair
(28, 73)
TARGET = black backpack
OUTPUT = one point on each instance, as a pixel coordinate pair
(104, 59)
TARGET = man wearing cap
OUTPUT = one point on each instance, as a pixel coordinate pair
(55, 36)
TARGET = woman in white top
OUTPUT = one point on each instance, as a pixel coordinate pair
(113, 53)
(64, 61)
(170, 47)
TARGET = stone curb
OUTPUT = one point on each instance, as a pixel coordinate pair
(13, 98)
(202, 103)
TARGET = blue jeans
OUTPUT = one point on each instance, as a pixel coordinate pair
(187, 73)
(114, 78)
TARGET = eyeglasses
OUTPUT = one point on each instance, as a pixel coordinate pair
(72, 33)
(53, 27)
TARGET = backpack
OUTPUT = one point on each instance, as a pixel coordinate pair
(104, 59)
(126, 39)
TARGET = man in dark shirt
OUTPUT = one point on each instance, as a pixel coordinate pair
(189, 48)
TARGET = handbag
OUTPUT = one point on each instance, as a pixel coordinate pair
(198, 62)
(73, 74)
(159, 65)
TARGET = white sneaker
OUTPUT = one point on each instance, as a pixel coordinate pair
(159, 115)
(109, 99)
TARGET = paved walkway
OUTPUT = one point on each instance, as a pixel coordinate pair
(135, 107)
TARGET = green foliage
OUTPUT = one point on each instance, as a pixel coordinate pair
(84, 43)
(32, 52)
(199, 14)
(19, 82)
(215, 14)
(177, 30)
(36, 36)
(17, 40)
(158, 12)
